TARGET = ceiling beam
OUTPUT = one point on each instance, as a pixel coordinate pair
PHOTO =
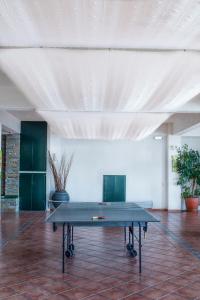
(101, 48)
(30, 109)
(183, 124)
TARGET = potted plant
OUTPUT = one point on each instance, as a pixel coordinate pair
(60, 171)
(188, 169)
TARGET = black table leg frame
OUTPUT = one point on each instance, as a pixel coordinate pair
(130, 245)
(131, 236)
(140, 248)
(63, 248)
(67, 237)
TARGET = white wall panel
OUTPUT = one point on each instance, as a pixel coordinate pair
(142, 162)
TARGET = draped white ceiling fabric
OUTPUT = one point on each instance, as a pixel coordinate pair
(104, 80)
(103, 126)
(92, 80)
(104, 94)
(157, 24)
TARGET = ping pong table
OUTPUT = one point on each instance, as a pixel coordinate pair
(104, 214)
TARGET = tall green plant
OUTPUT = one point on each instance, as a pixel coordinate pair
(188, 169)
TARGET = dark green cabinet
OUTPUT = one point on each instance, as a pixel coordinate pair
(32, 191)
(33, 159)
(25, 191)
(33, 147)
(114, 188)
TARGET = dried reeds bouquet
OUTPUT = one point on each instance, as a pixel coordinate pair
(60, 170)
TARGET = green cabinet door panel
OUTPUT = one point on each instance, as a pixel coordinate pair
(32, 191)
(114, 188)
(108, 187)
(33, 158)
(39, 192)
(33, 146)
(25, 191)
(120, 185)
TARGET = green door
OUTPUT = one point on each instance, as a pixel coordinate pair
(114, 188)
(39, 191)
(33, 147)
(25, 191)
(32, 188)
(33, 159)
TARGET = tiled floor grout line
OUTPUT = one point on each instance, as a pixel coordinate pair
(103, 265)
(159, 298)
(20, 231)
(109, 289)
(98, 266)
(180, 241)
(154, 285)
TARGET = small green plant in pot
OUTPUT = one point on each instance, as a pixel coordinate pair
(188, 169)
(60, 171)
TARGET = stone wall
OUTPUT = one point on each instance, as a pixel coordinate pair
(10, 172)
(12, 164)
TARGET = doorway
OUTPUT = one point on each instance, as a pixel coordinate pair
(114, 188)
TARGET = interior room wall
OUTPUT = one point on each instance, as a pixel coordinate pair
(10, 121)
(192, 141)
(143, 163)
(174, 201)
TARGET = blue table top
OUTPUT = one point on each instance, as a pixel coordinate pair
(112, 214)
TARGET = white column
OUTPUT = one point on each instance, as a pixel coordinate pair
(0, 165)
(173, 190)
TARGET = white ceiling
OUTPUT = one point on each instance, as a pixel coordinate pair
(160, 24)
(11, 97)
(68, 87)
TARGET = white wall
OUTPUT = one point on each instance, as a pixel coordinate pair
(192, 142)
(143, 163)
(173, 190)
(10, 121)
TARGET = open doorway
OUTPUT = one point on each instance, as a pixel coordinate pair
(10, 153)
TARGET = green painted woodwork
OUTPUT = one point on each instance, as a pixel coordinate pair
(114, 188)
(25, 191)
(32, 191)
(33, 146)
(33, 158)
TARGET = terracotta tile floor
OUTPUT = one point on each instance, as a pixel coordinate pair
(30, 261)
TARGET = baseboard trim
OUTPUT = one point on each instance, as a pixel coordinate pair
(166, 209)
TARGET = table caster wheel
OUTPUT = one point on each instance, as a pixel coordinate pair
(69, 253)
(129, 247)
(133, 253)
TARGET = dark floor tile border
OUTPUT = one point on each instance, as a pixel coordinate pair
(181, 242)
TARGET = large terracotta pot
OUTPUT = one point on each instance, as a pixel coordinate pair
(192, 203)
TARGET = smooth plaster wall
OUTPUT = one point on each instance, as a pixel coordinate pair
(143, 162)
(192, 142)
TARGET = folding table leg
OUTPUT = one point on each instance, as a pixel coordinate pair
(124, 234)
(132, 229)
(63, 249)
(54, 227)
(140, 249)
(68, 236)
